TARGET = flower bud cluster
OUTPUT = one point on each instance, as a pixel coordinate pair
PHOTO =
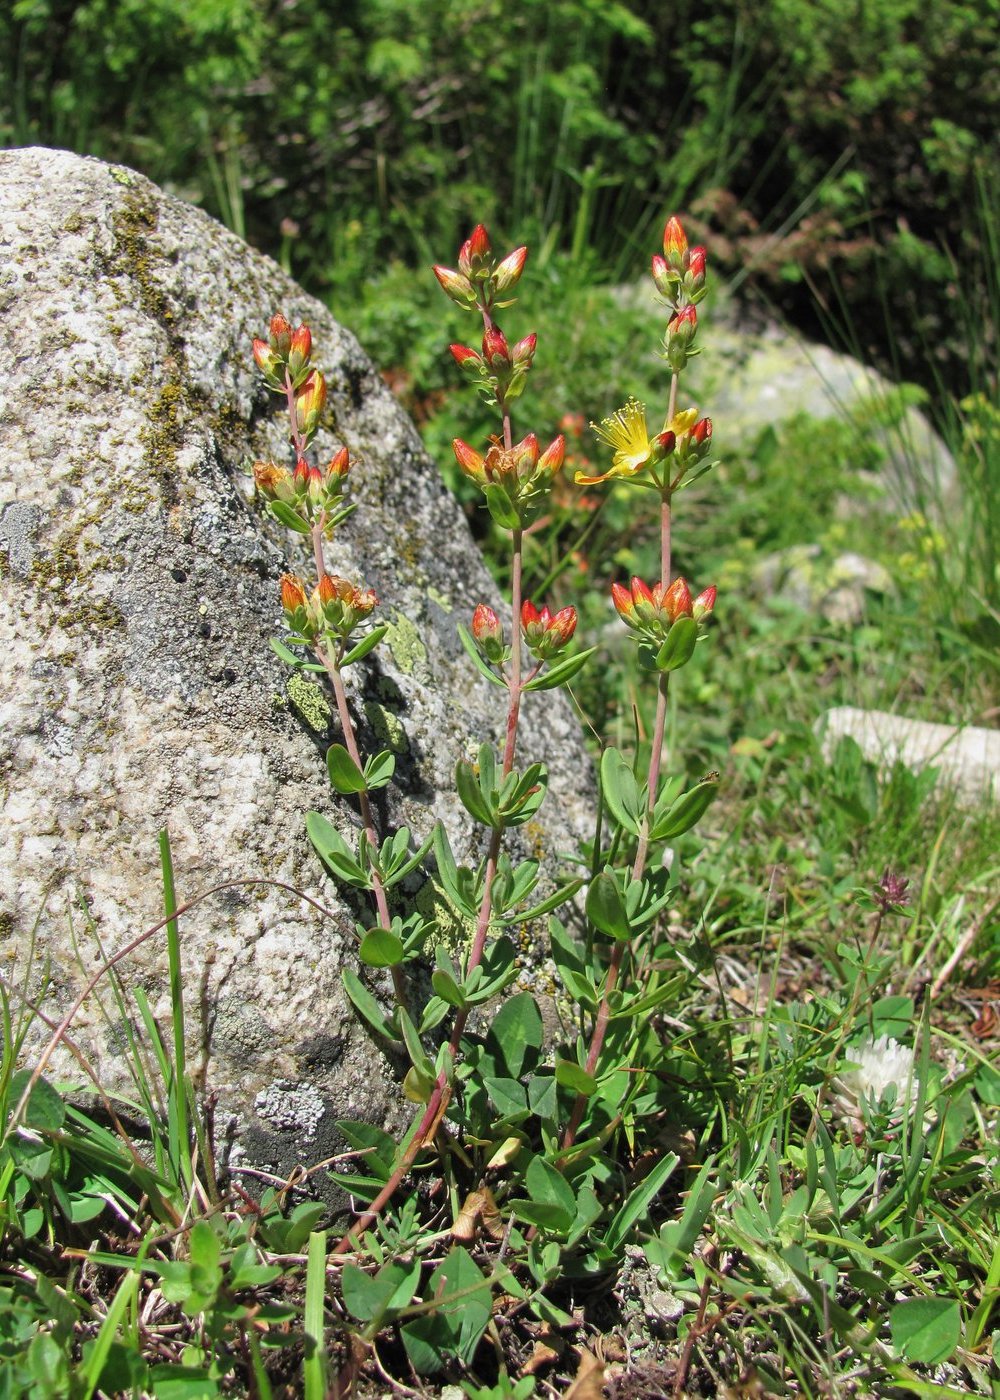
(480, 280)
(546, 634)
(284, 359)
(501, 371)
(515, 480)
(679, 276)
(652, 612)
(333, 609)
(310, 491)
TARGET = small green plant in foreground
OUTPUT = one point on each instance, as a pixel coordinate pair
(798, 1180)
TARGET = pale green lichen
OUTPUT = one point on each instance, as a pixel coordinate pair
(451, 931)
(309, 703)
(403, 638)
(443, 603)
(387, 726)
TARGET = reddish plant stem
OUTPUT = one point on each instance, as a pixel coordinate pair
(441, 1094)
(621, 946)
(367, 817)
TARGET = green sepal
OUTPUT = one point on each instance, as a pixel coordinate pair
(678, 648)
(288, 516)
(478, 660)
(363, 647)
(562, 672)
(345, 775)
(379, 769)
(621, 791)
(500, 506)
(380, 947)
(683, 813)
(334, 852)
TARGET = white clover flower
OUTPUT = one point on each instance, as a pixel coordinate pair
(876, 1066)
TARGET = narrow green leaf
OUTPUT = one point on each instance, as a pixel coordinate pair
(366, 645)
(379, 769)
(283, 654)
(287, 516)
(562, 672)
(314, 1362)
(470, 794)
(606, 908)
(499, 506)
(447, 988)
(678, 648)
(688, 809)
(365, 1004)
(639, 1201)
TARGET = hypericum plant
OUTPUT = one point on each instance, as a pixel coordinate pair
(540, 1137)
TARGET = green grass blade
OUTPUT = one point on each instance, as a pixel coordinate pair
(177, 1107)
(314, 1365)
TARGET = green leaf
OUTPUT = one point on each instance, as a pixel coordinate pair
(679, 646)
(416, 1052)
(571, 1076)
(481, 665)
(637, 1204)
(606, 908)
(621, 791)
(345, 775)
(365, 1004)
(379, 769)
(688, 809)
(549, 1187)
(381, 948)
(518, 1032)
(447, 988)
(287, 516)
(366, 645)
(283, 654)
(562, 672)
(44, 1109)
(369, 1299)
(926, 1330)
(542, 1097)
(471, 796)
(508, 1096)
(334, 851)
(463, 1307)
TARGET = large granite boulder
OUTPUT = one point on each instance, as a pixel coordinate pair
(138, 591)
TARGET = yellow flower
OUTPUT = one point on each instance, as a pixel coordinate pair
(627, 433)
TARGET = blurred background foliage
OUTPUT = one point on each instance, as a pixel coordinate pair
(838, 155)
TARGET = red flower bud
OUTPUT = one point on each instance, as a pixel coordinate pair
(488, 633)
(265, 358)
(340, 465)
(507, 273)
(704, 604)
(463, 355)
(663, 444)
(301, 472)
(622, 599)
(696, 267)
(524, 351)
(474, 251)
(664, 277)
(496, 351)
(702, 432)
(564, 624)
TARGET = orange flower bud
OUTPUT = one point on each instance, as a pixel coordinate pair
(299, 350)
(280, 333)
(488, 632)
(696, 269)
(664, 277)
(456, 286)
(552, 458)
(340, 465)
(469, 460)
(675, 242)
(309, 403)
(293, 594)
(327, 589)
(474, 251)
(677, 600)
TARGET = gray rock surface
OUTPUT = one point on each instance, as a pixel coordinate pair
(836, 589)
(966, 759)
(138, 591)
